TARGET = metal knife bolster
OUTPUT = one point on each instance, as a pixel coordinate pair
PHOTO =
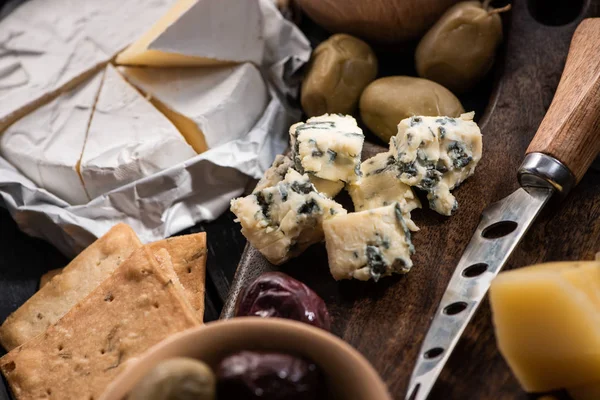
(540, 170)
(541, 177)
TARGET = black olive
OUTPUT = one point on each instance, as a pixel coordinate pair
(252, 375)
(275, 294)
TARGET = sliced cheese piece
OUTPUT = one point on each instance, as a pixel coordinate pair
(128, 139)
(201, 32)
(436, 154)
(368, 244)
(46, 50)
(46, 145)
(210, 106)
(284, 220)
(547, 321)
(380, 186)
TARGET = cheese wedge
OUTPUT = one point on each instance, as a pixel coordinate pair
(174, 40)
(46, 50)
(547, 321)
(46, 145)
(128, 139)
(210, 106)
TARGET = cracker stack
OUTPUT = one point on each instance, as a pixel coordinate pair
(142, 295)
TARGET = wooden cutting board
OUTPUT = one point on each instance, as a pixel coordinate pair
(386, 321)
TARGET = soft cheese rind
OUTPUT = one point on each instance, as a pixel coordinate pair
(128, 139)
(281, 165)
(49, 49)
(210, 106)
(231, 31)
(380, 186)
(328, 146)
(368, 244)
(283, 220)
(46, 145)
(436, 154)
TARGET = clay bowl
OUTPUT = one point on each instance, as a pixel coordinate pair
(348, 374)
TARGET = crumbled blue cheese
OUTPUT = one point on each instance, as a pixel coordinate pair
(280, 167)
(369, 244)
(328, 147)
(276, 173)
(283, 220)
(380, 186)
(328, 188)
(436, 154)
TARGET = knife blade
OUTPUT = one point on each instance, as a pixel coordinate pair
(564, 147)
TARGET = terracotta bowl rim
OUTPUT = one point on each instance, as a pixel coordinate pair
(371, 377)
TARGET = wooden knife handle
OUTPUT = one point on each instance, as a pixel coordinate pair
(570, 131)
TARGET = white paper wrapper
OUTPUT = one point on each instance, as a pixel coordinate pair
(177, 198)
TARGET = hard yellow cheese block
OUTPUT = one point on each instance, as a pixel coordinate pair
(585, 392)
(547, 321)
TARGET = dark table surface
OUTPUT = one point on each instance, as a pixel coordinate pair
(24, 259)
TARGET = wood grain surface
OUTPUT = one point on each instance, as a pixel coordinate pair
(571, 130)
(387, 321)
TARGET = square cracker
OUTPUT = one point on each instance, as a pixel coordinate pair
(188, 255)
(136, 307)
(47, 277)
(78, 279)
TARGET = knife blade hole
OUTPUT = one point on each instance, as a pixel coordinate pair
(415, 392)
(455, 308)
(499, 229)
(474, 270)
(433, 353)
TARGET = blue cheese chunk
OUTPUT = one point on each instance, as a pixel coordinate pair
(436, 154)
(368, 244)
(328, 188)
(380, 186)
(283, 220)
(282, 164)
(328, 147)
(276, 173)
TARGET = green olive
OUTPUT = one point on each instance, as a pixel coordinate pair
(176, 379)
(387, 101)
(459, 50)
(340, 69)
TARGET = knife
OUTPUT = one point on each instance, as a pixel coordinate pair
(564, 147)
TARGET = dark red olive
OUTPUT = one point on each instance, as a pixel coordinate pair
(268, 376)
(275, 294)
